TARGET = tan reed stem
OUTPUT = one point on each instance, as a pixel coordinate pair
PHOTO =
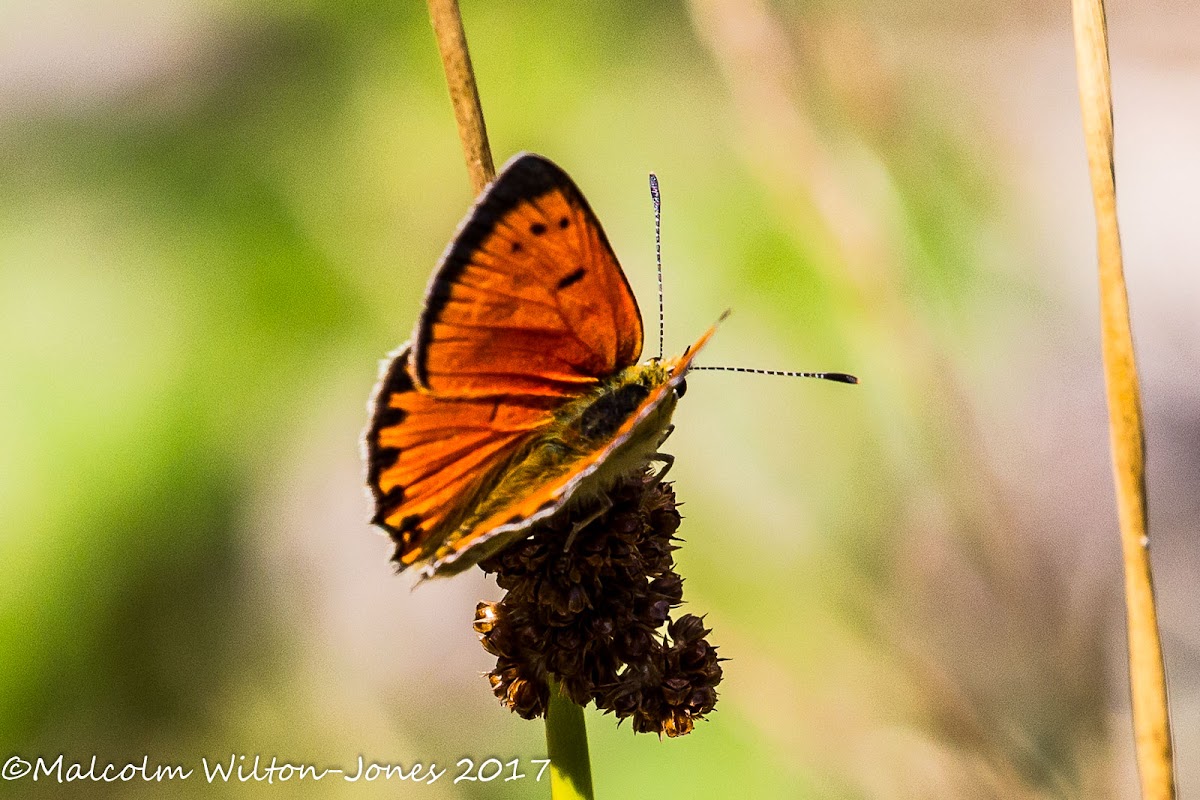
(566, 733)
(464, 95)
(1147, 679)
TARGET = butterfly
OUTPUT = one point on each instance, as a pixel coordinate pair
(520, 391)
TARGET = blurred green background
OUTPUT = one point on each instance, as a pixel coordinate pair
(216, 217)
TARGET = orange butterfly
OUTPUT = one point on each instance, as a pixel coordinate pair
(520, 390)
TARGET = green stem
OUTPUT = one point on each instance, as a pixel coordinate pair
(567, 749)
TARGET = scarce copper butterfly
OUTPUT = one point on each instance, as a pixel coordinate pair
(520, 390)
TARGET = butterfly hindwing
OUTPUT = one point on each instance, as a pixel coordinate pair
(429, 458)
(529, 299)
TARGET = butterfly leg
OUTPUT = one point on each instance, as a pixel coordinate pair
(603, 507)
(668, 461)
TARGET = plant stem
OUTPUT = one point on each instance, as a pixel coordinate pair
(566, 734)
(464, 95)
(1151, 719)
(567, 749)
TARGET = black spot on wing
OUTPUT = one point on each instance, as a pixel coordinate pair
(572, 278)
(378, 460)
(385, 504)
(388, 417)
(403, 535)
(537, 229)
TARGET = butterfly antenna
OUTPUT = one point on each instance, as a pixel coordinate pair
(657, 200)
(840, 377)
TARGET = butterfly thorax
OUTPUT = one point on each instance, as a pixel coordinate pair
(604, 411)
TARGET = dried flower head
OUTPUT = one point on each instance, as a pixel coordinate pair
(587, 596)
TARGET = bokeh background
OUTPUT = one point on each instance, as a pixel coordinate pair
(216, 217)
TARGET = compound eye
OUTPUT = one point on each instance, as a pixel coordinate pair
(681, 388)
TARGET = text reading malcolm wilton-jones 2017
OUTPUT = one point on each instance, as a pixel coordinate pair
(245, 768)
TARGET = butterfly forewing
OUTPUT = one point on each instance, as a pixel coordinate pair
(529, 299)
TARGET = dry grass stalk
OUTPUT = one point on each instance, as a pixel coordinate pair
(566, 734)
(1151, 722)
(460, 78)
